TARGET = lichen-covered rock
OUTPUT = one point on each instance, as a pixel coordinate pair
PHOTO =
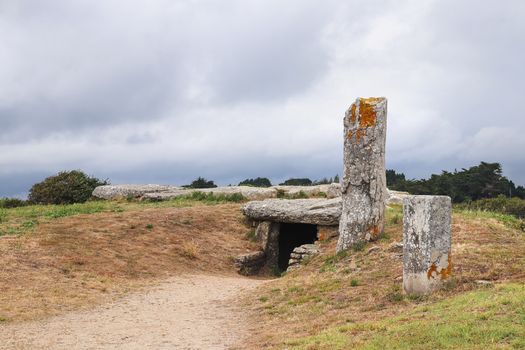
(250, 264)
(334, 190)
(300, 253)
(363, 186)
(396, 197)
(124, 191)
(166, 192)
(426, 243)
(306, 211)
(247, 192)
(310, 191)
(326, 232)
(271, 247)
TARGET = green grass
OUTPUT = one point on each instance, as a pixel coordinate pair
(21, 220)
(251, 235)
(506, 219)
(483, 319)
(394, 216)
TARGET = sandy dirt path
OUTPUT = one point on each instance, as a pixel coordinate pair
(187, 312)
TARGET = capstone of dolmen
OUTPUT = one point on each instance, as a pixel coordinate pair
(364, 180)
(426, 243)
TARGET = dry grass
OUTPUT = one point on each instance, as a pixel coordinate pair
(332, 291)
(78, 261)
(190, 250)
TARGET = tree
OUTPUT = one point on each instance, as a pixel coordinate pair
(257, 182)
(482, 181)
(201, 182)
(67, 187)
(297, 182)
(393, 178)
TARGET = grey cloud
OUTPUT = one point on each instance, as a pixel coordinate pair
(78, 67)
(164, 91)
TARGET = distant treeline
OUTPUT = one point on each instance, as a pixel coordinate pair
(482, 181)
(265, 182)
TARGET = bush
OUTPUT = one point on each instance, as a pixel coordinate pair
(201, 183)
(12, 203)
(501, 204)
(67, 187)
(258, 182)
(297, 182)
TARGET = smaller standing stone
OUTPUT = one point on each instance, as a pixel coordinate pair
(426, 243)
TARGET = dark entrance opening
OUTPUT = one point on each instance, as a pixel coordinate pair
(292, 236)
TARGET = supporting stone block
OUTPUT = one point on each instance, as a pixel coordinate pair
(426, 243)
(262, 232)
(272, 246)
(364, 180)
(250, 264)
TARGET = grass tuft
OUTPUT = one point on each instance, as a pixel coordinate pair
(190, 250)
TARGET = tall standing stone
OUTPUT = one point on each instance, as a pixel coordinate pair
(426, 243)
(364, 180)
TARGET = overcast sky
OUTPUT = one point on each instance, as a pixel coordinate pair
(163, 91)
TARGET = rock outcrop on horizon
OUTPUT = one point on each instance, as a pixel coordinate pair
(166, 192)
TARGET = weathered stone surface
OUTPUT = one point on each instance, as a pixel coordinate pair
(166, 192)
(334, 190)
(396, 197)
(248, 192)
(306, 211)
(363, 187)
(426, 243)
(326, 232)
(250, 264)
(262, 232)
(323, 212)
(308, 190)
(300, 253)
(272, 246)
(124, 191)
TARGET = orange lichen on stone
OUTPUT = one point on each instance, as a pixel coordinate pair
(444, 273)
(374, 231)
(366, 117)
(359, 134)
(367, 114)
(325, 232)
(431, 270)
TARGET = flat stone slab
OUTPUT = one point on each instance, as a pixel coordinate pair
(252, 193)
(304, 211)
(123, 191)
(166, 192)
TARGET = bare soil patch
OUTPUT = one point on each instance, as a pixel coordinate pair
(185, 312)
(79, 261)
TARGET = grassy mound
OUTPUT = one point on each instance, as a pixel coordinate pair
(355, 299)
